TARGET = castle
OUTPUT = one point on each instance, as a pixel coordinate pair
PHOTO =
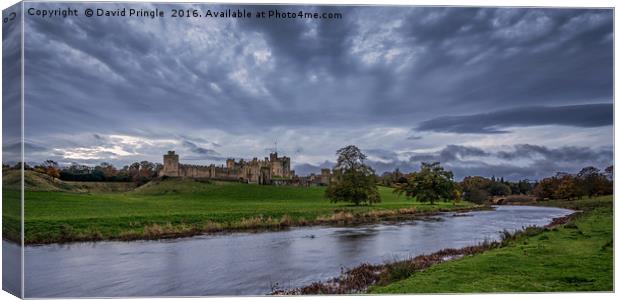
(272, 170)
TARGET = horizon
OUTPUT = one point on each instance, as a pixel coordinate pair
(307, 170)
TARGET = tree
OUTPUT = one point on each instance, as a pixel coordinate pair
(609, 173)
(524, 187)
(499, 188)
(430, 184)
(568, 188)
(546, 187)
(592, 182)
(475, 189)
(51, 168)
(109, 171)
(353, 181)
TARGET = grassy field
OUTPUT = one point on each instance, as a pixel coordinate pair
(181, 207)
(577, 256)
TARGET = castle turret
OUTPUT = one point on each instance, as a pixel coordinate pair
(230, 163)
(171, 164)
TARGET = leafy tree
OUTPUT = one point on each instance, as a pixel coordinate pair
(477, 196)
(545, 188)
(430, 184)
(353, 181)
(592, 181)
(475, 189)
(108, 170)
(499, 188)
(568, 188)
(524, 187)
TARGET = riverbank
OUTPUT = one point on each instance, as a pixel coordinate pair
(571, 254)
(183, 207)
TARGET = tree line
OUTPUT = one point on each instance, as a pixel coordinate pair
(356, 182)
(589, 182)
(138, 172)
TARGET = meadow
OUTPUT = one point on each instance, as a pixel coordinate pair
(183, 207)
(577, 256)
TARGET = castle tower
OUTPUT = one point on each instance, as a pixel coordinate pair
(171, 164)
(230, 163)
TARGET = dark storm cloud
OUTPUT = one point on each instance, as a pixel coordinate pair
(414, 137)
(235, 84)
(374, 65)
(451, 153)
(539, 161)
(16, 148)
(202, 152)
(562, 154)
(587, 115)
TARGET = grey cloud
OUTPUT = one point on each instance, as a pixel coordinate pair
(28, 148)
(381, 153)
(155, 74)
(469, 161)
(574, 154)
(586, 115)
(202, 152)
(377, 67)
(450, 153)
(307, 169)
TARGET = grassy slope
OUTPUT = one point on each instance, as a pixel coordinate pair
(181, 206)
(574, 257)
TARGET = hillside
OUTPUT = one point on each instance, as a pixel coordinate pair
(173, 186)
(34, 181)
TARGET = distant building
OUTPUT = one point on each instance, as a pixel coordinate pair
(271, 170)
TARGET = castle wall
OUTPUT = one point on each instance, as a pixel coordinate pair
(254, 171)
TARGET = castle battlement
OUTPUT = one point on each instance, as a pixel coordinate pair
(271, 170)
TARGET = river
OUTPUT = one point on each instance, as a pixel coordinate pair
(251, 263)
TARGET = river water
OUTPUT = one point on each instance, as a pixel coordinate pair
(251, 263)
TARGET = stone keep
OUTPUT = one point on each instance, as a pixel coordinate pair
(171, 165)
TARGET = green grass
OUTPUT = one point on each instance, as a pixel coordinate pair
(11, 214)
(177, 207)
(577, 256)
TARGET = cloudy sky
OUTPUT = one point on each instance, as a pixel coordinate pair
(519, 93)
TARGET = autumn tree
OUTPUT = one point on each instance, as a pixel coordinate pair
(545, 188)
(50, 168)
(592, 182)
(567, 188)
(108, 170)
(475, 189)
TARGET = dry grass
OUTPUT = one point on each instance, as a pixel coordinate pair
(338, 217)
